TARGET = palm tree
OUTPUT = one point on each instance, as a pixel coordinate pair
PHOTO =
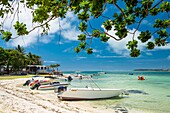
(2, 58)
(33, 59)
(8, 59)
(20, 49)
(30, 58)
(23, 58)
(55, 66)
(17, 60)
(37, 59)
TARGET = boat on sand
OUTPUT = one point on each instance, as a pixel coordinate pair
(88, 93)
(52, 86)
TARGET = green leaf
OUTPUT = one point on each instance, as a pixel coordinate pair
(107, 25)
(82, 45)
(84, 4)
(77, 49)
(104, 38)
(160, 42)
(83, 16)
(6, 35)
(96, 33)
(165, 6)
(130, 19)
(163, 33)
(82, 26)
(21, 28)
(132, 44)
(161, 23)
(135, 53)
(89, 51)
(144, 36)
(82, 37)
(154, 11)
(150, 45)
(121, 32)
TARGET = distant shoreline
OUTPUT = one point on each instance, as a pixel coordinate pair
(160, 70)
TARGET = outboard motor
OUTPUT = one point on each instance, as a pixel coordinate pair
(37, 85)
(61, 89)
(80, 77)
(69, 79)
(27, 83)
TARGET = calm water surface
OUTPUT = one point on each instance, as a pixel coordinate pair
(151, 95)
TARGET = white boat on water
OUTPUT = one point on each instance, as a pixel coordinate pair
(89, 93)
(102, 72)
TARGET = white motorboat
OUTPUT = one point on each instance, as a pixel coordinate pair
(102, 72)
(52, 86)
(88, 93)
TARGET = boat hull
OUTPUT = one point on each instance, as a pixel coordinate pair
(51, 87)
(89, 94)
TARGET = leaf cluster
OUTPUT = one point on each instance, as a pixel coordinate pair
(130, 13)
(17, 58)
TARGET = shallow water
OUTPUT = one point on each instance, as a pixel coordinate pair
(151, 95)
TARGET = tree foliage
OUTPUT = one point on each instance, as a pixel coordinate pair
(130, 12)
(17, 59)
(55, 66)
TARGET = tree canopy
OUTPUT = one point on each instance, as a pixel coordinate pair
(17, 59)
(131, 12)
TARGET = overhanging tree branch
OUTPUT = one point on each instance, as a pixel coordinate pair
(41, 25)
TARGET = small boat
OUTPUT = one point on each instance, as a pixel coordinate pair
(102, 72)
(97, 74)
(131, 74)
(141, 78)
(88, 93)
(42, 82)
(51, 86)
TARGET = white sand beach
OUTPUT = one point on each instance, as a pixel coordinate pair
(16, 98)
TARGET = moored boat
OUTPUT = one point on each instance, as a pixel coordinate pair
(52, 86)
(141, 78)
(89, 93)
(102, 72)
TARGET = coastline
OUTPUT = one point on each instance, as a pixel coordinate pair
(16, 98)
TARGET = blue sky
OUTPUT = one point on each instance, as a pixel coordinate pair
(110, 56)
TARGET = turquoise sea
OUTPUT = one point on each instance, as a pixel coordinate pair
(151, 95)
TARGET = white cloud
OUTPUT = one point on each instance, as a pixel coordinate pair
(99, 56)
(119, 47)
(71, 49)
(163, 47)
(50, 62)
(46, 40)
(149, 54)
(68, 31)
(79, 58)
(97, 51)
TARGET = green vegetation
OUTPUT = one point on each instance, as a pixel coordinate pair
(131, 12)
(55, 66)
(17, 59)
(9, 77)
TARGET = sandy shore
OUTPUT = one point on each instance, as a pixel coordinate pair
(16, 98)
